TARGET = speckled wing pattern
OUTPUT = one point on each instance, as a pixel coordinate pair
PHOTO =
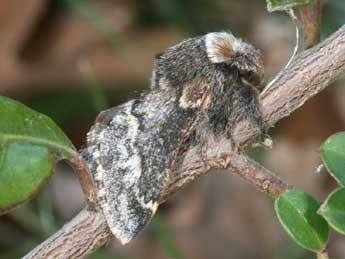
(131, 149)
(199, 89)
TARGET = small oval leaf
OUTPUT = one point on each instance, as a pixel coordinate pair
(16, 186)
(30, 143)
(333, 210)
(297, 212)
(281, 5)
(333, 156)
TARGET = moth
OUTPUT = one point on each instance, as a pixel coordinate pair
(200, 88)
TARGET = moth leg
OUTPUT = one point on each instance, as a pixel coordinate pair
(247, 108)
(250, 107)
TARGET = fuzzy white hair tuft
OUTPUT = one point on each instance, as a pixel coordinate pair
(220, 46)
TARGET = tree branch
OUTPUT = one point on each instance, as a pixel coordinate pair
(84, 234)
(235, 163)
(309, 74)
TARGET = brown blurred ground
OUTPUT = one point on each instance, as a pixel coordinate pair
(72, 58)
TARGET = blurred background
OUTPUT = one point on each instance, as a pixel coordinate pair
(70, 59)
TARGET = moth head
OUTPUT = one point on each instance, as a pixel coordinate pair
(224, 48)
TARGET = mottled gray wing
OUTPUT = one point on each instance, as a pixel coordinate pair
(131, 149)
(116, 165)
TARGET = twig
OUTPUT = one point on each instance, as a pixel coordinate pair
(309, 74)
(80, 167)
(257, 175)
(297, 49)
(235, 163)
(310, 16)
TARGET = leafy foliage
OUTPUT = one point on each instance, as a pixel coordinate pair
(297, 212)
(30, 144)
(333, 156)
(333, 210)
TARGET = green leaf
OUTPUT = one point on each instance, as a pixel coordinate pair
(333, 156)
(297, 212)
(280, 5)
(333, 210)
(30, 144)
